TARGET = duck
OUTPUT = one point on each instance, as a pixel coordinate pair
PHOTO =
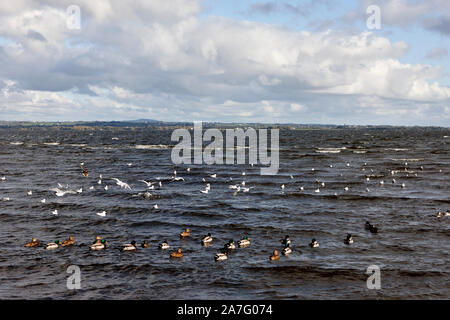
(52, 245)
(99, 245)
(286, 250)
(220, 256)
(129, 246)
(186, 233)
(349, 239)
(286, 240)
(176, 254)
(230, 245)
(244, 242)
(275, 255)
(164, 245)
(34, 243)
(145, 244)
(69, 242)
(314, 243)
(372, 228)
(207, 239)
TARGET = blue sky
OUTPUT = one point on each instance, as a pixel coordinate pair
(306, 61)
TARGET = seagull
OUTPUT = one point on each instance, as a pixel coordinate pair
(317, 190)
(29, 193)
(346, 188)
(129, 164)
(403, 185)
(160, 184)
(155, 206)
(99, 181)
(234, 186)
(43, 201)
(367, 190)
(331, 166)
(148, 184)
(381, 182)
(204, 191)
(102, 214)
(91, 188)
(208, 186)
(213, 176)
(312, 169)
(80, 190)
(323, 184)
(393, 180)
(60, 193)
(106, 188)
(3, 178)
(282, 187)
(55, 212)
(292, 177)
(178, 178)
(188, 169)
(243, 183)
(243, 173)
(348, 164)
(5, 199)
(302, 189)
(121, 184)
(367, 179)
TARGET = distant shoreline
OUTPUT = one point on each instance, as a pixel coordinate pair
(166, 124)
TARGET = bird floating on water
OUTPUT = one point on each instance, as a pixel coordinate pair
(101, 214)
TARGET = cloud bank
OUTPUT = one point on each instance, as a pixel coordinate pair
(164, 60)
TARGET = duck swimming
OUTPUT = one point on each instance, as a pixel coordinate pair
(68, 242)
(230, 245)
(349, 239)
(372, 228)
(244, 242)
(52, 245)
(164, 245)
(275, 256)
(207, 239)
(186, 233)
(287, 250)
(286, 240)
(129, 246)
(176, 254)
(220, 256)
(314, 243)
(145, 244)
(34, 243)
(99, 245)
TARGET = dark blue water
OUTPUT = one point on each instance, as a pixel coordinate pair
(411, 249)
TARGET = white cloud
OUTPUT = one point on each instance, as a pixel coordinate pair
(160, 59)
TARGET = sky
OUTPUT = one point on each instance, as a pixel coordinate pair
(304, 61)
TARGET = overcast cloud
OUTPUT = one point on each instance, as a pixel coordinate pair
(167, 61)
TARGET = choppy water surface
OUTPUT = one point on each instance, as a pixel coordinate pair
(412, 248)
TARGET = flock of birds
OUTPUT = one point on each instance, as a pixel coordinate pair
(100, 243)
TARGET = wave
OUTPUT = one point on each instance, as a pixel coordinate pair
(152, 146)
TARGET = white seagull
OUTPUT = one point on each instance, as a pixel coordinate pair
(122, 184)
(102, 214)
(60, 193)
(55, 212)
